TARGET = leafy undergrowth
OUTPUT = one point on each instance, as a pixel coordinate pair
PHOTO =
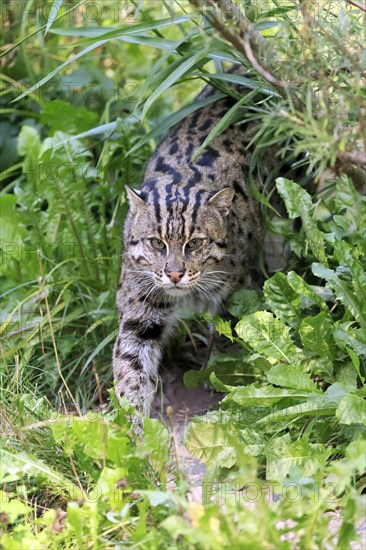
(285, 450)
(286, 454)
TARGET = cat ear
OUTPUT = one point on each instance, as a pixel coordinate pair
(222, 200)
(134, 199)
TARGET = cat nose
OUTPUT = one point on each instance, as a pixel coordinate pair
(175, 276)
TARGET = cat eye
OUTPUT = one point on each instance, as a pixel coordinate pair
(157, 243)
(194, 244)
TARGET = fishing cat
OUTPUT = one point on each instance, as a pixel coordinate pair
(191, 234)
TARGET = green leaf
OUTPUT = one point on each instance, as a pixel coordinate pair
(155, 442)
(16, 466)
(242, 81)
(29, 143)
(301, 287)
(100, 32)
(243, 302)
(56, 5)
(299, 204)
(51, 74)
(356, 363)
(261, 396)
(314, 408)
(222, 327)
(341, 283)
(346, 336)
(288, 376)
(12, 508)
(225, 121)
(230, 368)
(187, 63)
(206, 440)
(317, 335)
(60, 115)
(268, 336)
(166, 123)
(283, 455)
(351, 410)
(282, 299)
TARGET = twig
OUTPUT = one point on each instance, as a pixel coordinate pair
(247, 43)
(357, 5)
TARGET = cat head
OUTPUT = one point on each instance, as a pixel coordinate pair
(178, 242)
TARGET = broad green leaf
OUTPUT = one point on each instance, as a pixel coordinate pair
(299, 204)
(155, 442)
(222, 327)
(14, 467)
(341, 283)
(268, 336)
(11, 509)
(301, 287)
(283, 455)
(206, 441)
(356, 363)
(310, 408)
(336, 393)
(187, 63)
(351, 410)
(229, 368)
(261, 396)
(346, 336)
(282, 299)
(28, 142)
(108, 479)
(317, 335)
(355, 460)
(218, 385)
(288, 376)
(60, 115)
(243, 302)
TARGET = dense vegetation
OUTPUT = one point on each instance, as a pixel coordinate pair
(87, 92)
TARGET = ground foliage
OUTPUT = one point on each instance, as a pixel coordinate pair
(87, 92)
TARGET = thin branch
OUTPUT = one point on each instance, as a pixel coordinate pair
(357, 5)
(247, 43)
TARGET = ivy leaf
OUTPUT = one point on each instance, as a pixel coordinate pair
(299, 204)
(268, 336)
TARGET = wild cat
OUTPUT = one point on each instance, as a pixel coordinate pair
(191, 235)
